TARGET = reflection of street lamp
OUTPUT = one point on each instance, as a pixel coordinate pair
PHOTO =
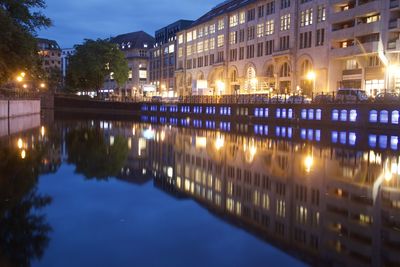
(308, 163)
(311, 76)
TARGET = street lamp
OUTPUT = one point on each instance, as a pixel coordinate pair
(392, 71)
(311, 76)
(220, 86)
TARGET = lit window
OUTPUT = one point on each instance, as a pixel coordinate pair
(242, 17)
(233, 20)
(221, 24)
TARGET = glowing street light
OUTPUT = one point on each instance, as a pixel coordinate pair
(25, 86)
(312, 76)
(42, 85)
(219, 142)
(19, 79)
(220, 86)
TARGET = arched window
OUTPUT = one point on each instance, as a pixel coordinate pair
(251, 79)
(233, 76)
(189, 81)
(285, 70)
(270, 71)
(395, 117)
(373, 116)
(305, 67)
(384, 116)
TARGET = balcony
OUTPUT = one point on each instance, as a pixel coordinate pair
(367, 28)
(369, 7)
(394, 25)
(393, 45)
(352, 72)
(394, 4)
(357, 49)
(337, 17)
(342, 34)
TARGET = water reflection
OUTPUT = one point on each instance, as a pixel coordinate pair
(93, 156)
(328, 197)
(330, 205)
(24, 231)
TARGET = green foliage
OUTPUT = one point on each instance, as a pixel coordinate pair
(18, 25)
(87, 149)
(23, 229)
(93, 61)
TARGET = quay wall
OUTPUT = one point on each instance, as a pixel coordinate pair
(88, 106)
(16, 108)
(361, 115)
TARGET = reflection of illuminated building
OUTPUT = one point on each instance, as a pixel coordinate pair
(327, 204)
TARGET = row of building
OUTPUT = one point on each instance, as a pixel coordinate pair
(268, 46)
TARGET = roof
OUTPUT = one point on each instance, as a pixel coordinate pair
(222, 8)
(135, 39)
(47, 44)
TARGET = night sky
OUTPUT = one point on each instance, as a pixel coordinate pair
(75, 20)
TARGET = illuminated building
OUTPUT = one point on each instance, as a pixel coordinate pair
(136, 47)
(50, 54)
(272, 46)
(163, 58)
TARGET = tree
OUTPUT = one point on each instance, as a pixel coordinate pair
(18, 25)
(87, 149)
(93, 61)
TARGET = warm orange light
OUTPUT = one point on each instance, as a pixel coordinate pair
(23, 154)
(20, 143)
(308, 163)
(25, 86)
(42, 85)
(311, 76)
(19, 79)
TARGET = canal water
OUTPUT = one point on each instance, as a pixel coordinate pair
(124, 193)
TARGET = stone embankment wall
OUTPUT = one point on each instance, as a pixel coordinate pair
(16, 108)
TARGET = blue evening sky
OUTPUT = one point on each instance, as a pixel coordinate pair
(75, 20)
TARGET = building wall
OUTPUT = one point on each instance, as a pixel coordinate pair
(328, 57)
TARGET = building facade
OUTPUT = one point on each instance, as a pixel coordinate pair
(136, 47)
(283, 46)
(50, 54)
(163, 58)
(65, 56)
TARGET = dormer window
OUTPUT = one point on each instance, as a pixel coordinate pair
(145, 45)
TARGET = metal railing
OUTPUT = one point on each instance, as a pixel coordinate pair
(10, 94)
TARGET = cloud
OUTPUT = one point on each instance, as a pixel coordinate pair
(75, 20)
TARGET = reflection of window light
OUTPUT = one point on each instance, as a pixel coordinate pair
(352, 139)
(343, 138)
(334, 137)
(112, 139)
(310, 134)
(318, 135)
(394, 141)
(383, 141)
(278, 131)
(303, 134)
(372, 140)
(290, 132)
